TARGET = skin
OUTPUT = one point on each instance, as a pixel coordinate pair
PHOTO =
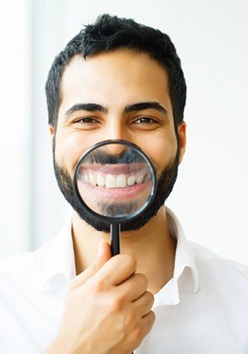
(115, 307)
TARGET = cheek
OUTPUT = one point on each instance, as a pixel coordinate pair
(68, 150)
(161, 151)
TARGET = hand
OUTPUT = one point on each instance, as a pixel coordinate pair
(107, 308)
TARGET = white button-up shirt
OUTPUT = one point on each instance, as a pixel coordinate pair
(203, 309)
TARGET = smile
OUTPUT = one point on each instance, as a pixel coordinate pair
(115, 180)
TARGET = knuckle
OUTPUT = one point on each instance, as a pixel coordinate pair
(98, 286)
(117, 304)
(129, 320)
(137, 334)
(129, 261)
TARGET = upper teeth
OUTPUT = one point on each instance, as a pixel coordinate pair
(115, 181)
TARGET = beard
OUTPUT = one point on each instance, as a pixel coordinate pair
(165, 185)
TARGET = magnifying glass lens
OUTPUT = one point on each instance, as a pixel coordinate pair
(115, 180)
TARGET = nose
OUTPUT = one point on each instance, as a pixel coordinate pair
(115, 148)
(116, 129)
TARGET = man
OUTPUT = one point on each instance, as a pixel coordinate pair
(120, 80)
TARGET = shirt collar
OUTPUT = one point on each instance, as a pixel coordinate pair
(184, 253)
(59, 261)
(185, 268)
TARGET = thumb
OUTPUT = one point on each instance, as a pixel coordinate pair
(103, 255)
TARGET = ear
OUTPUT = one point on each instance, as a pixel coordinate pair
(52, 134)
(182, 139)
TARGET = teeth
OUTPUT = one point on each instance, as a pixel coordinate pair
(139, 179)
(110, 181)
(131, 181)
(92, 179)
(113, 181)
(121, 181)
(86, 179)
(147, 177)
(100, 181)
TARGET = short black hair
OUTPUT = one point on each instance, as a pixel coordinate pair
(109, 33)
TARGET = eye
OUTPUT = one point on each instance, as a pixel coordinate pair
(86, 123)
(145, 120)
(87, 120)
(146, 123)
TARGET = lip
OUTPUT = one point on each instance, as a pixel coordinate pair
(114, 168)
(119, 194)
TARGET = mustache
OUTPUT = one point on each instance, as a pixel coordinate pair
(124, 157)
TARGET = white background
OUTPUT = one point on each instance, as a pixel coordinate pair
(211, 195)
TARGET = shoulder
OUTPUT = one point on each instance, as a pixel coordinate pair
(219, 269)
(26, 265)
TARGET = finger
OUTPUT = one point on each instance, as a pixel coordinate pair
(141, 329)
(144, 304)
(134, 287)
(103, 255)
(147, 322)
(117, 270)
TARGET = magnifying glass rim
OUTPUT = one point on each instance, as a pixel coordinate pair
(119, 219)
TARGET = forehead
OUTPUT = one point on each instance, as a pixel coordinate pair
(111, 74)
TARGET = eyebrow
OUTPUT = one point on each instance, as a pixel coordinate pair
(139, 106)
(89, 107)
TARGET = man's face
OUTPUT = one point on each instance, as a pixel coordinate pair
(116, 95)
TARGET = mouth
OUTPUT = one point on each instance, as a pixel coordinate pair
(115, 177)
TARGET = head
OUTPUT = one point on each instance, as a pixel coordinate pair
(110, 43)
(109, 33)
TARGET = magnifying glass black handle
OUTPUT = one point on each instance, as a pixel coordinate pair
(115, 231)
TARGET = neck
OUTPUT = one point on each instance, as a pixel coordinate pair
(152, 246)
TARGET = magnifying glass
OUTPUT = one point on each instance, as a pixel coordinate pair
(115, 181)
